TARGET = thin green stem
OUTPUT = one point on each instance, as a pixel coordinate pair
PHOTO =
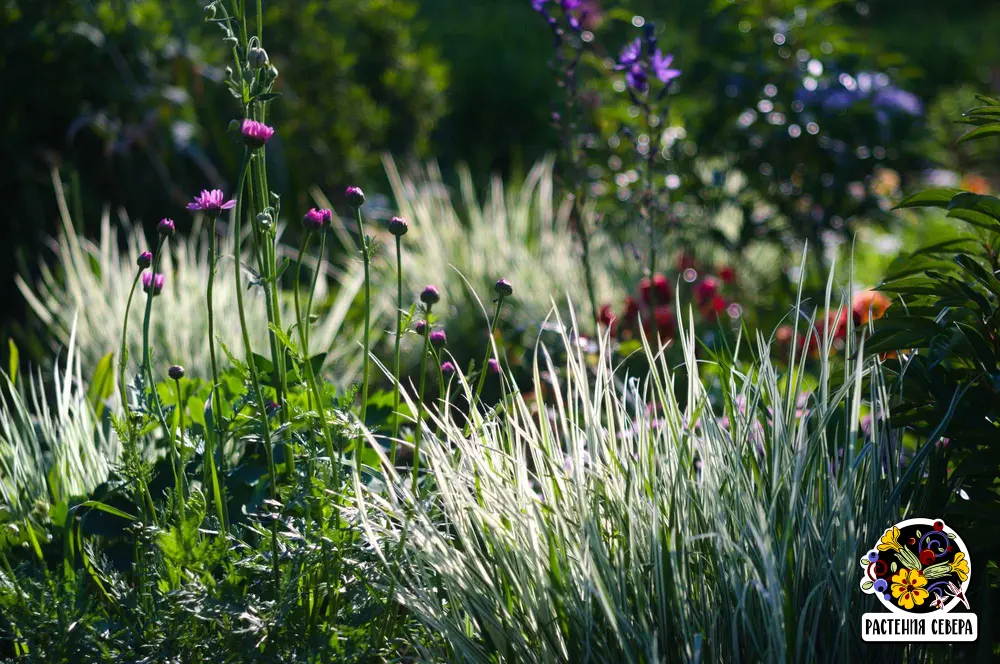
(368, 315)
(399, 334)
(123, 360)
(304, 342)
(312, 285)
(489, 349)
(251, 365)
(209, 457)
(178, 466)
(420, 404)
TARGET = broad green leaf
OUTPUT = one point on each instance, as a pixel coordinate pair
(102, 385)
(938, 197)
(987, 205)
(986, 131)
(979, 273)
(974, 218)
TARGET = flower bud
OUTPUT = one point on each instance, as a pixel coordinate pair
(145, 260)
(255, 134)
(420, 327)
(176, 372)
(398, 226)
(493, 366)
(257, 57)
(210, 12)
(355, 197)
(315, 219)
(264, 219)
(166, 228)
(448, 369)
(503, 288)
(430, 295)
(438, 338)
(153, 282)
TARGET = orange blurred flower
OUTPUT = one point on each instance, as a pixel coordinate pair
(869, 305)
(975, 183)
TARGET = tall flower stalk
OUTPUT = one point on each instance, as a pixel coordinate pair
(314, 221)
(356, 198)
(503, 289)
(398, 228)
(430, 296)
(251, 364)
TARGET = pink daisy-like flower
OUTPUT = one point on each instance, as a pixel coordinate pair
(211, 201)
(255, 134)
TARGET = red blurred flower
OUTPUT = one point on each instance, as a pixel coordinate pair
(711, 309)
(685, 261)
(661, 287)
(631, 311)
(705, 290)
(666, 322)
(608, 318)
(727, 274)
(837, 320)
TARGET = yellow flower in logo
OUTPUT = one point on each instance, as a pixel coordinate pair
(908, 588)
(890, 540)
(960, 566)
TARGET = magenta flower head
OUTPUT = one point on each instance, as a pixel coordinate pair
(493, 366)
(355, 197)
(448, 369)
(175, 372)
(166, 227)
(316, 219)
(255, 134)
(154, 282)
(438, 338)
(503, 288)
(145, 260)
(420, 327)
(211, 201)
(430, 295)
(398, 226)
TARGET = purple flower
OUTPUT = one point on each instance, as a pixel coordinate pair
(315, 219)
(255, 134)
(420, 327)
(503, 288)
(211, 201)
(630, 55)
(538, 5)
(176, 372)
(570, 5)
(154, 282)
(355, 197)
(448, 369)
(398, 226)
(636, 78)
(899, 101)
(145, 260)
(493, 366)
(430, 295)
(662, 69)
(438, 338)
(166, 227)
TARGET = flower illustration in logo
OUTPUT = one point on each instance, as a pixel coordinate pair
(918, 566)
(908, 588)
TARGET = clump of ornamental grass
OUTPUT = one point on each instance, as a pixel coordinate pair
(93, 281)
(521, 230)
(702, 513)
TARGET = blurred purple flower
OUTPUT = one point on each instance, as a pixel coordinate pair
(211, 201)
(316, 219)
(630, 55)
(447, 369)
(900, 101)
(636, 78)
(662, 69)
(493, 365)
